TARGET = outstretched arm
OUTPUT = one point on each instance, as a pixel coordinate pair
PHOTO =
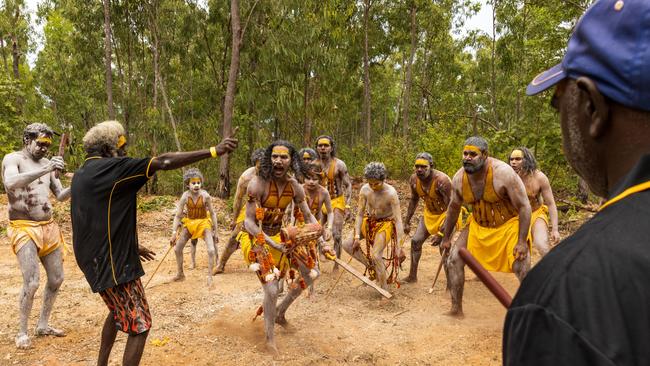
(397, 214)
(330, 212)
(516, 191)
(444, 190)
(13, 178)
(549, 200)
(175, 160)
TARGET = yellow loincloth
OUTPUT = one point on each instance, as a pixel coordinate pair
(245, 240)
(385, 227)
(45, 234)
(434, 222)
(196, 227)
(540, 213)
(337, 203)
(493, 247)
(242, 215)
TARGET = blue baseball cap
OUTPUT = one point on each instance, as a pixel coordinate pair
(611, 46)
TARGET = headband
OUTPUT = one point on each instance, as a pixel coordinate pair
(324, 141)
(472, 148)
(421, 161)
(121, 141)
(280, 150)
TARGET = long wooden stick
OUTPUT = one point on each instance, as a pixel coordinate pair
(156, 270)
(363, 278)
(442, 261)
(495, 288)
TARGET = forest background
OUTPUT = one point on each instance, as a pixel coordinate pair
(386, 78)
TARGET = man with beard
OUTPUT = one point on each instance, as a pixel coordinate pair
(379, 222)
(269, 194)
(29, 178)
(497, 229)
(239, 210)
(103, 212)
(337, 181)
(434, 188)
(586, 302)
(540, 196)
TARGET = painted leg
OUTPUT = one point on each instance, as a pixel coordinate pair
(109, 331)
(421, 234)
(456, 271)
(521, 268)
(357, 254)
(209, 242)
(230, 248)
(270, 302)
(134, 348)
(294, 293)
(377, 253)
(540, 236)
(178, 251)
(53, 264)
(193, 244)
(337, 231)
(28, 260)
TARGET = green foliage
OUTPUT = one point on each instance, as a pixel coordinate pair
(301, 74)
(155, 203)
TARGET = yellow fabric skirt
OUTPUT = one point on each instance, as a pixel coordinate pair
(45, 234)
(242, 215)
(196, 227)
(245, 240)
(434, 222)
(493, 247)
(338, 203)
(540, 213)
(382, 227)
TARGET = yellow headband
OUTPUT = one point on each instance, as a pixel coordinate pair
(324, 141)
(517, 154)
(121, 141)
(44, 140)
(195, 179)
(422, 162)
(472, 148)
(280, 150)
(306, 155)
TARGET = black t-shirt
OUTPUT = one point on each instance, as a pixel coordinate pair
(103, 210)
(588, 301)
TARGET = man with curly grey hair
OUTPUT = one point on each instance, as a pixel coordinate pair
(103, 210)
(197, 205)
(379, 221)
(29, 177)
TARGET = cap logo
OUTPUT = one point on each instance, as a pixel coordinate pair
(619, 5)
(539, 79)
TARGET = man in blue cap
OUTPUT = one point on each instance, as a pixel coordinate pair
(587, 302)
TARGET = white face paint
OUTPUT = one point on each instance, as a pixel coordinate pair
(195, 185)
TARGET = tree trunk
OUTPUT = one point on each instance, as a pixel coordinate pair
(409, 71)
(229, 100)
(493, 83)
(366, 73)
(4, 54)
(107, 59)
(306, 136)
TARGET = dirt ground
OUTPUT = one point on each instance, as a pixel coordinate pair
(199, 326)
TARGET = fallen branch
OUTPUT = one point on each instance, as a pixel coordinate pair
(578, 205)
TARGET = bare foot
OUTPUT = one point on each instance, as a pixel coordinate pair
(218, 270)
(192, 265)
(23, 341)
(270, 346)
(179, 277)
(458, 314)
(410, 279)
(210, 283)
(49, 331)
(281, 320)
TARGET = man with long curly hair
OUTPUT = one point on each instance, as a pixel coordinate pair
(269, 195)
(105, 239)
(337, 181)
(29, 177)
(540, 196)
